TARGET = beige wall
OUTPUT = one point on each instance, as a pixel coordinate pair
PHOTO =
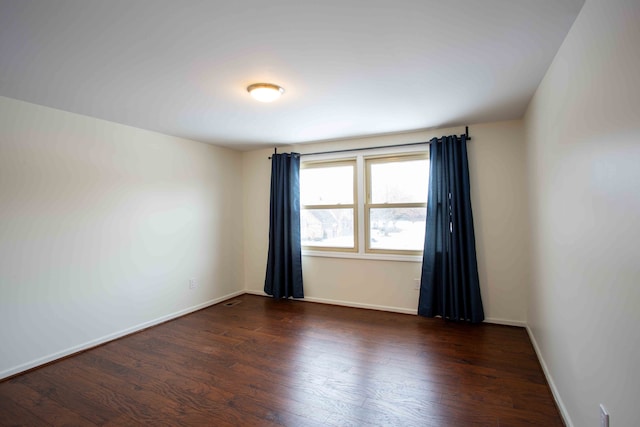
(101, 227)
(583, 149)
(497, 166)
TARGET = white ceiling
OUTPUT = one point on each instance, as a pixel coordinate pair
(349, 67)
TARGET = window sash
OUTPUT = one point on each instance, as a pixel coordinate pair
(368, 206)
(353, 206)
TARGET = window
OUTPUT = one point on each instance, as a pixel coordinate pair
(328, 209)
(365, 205)
(396, 204)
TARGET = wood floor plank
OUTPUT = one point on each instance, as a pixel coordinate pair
(13, 414)
(68, 395)
(264, 362)
(243, 387)
(40, 405)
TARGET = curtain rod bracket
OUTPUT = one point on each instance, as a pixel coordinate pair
(466, 133)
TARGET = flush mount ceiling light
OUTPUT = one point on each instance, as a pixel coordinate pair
(265, 92)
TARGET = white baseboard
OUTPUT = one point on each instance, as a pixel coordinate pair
(361, 305)
(552, 385)
(260, 293)
(110, 337)
(507, 322)
(388, 308)
(346, 303)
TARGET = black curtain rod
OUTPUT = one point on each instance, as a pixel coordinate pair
(466, 133)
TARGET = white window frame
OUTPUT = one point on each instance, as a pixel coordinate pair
(368, 204)
(331, 163)
(360, 157)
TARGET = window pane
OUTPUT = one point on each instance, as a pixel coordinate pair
(327, 227)
(397, 228)
(331, 185)
(400, 182)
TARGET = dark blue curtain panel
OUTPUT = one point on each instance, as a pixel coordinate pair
(284, 261)
(450, 286)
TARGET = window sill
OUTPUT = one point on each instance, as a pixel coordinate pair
(371, 257)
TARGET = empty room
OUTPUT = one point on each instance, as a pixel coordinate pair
(336, 213)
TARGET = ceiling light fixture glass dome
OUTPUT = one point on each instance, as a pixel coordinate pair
(265, 92)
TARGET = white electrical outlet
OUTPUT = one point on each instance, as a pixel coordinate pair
(604, 416)
(193, 283)
(416, 284)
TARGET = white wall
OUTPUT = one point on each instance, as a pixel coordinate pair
(583, 150)
(101, 227)
(497, 165)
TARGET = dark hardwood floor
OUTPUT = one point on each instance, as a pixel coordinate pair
(265, 362)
